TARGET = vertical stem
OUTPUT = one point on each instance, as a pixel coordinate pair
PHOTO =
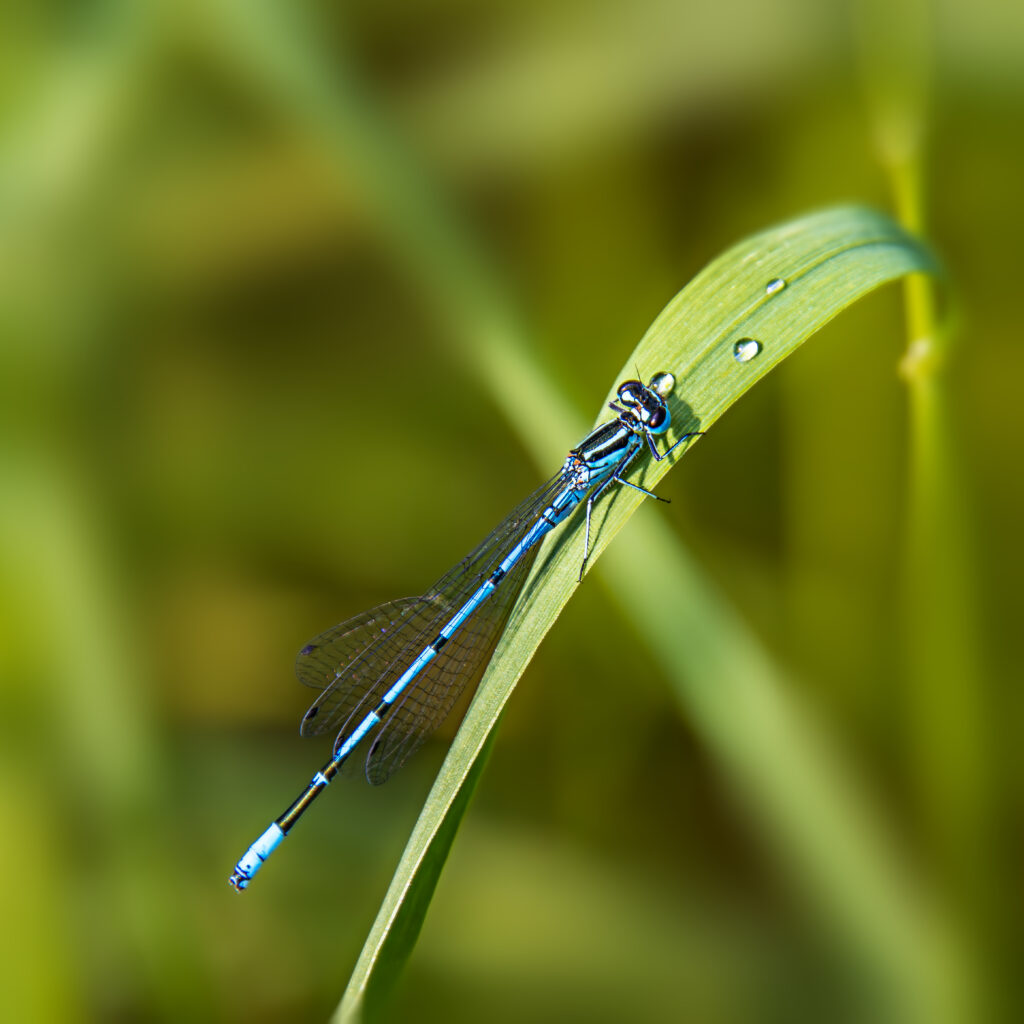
(945, 719)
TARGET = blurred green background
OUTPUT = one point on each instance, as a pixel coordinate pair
(244, 248)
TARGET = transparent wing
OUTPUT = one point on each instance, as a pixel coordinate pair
(459, 664)
(355, 673)
(326, 656)
(357, 662)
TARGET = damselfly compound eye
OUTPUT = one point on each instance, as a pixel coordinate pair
(628, 392)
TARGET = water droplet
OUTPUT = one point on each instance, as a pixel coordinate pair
(776, 284)
(745, 349)
(663, 383)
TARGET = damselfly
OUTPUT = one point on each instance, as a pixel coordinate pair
(390, 676)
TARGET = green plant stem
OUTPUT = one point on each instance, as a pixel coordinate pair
(947, 722)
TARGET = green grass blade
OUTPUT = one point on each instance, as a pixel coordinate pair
(827, 261)
(947, 716)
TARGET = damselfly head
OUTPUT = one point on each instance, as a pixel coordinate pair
(646, 404)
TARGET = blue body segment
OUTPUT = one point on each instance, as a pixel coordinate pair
(256, 855)
(396, 670)
(356, 736)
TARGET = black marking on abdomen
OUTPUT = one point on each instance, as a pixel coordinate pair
(437, 644)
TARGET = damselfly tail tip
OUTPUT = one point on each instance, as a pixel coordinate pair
(239, 882)
(254, 857)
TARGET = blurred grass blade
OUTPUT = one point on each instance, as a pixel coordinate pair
(948, 718)
(766, 295)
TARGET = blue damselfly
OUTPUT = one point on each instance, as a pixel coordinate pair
(392, 674)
